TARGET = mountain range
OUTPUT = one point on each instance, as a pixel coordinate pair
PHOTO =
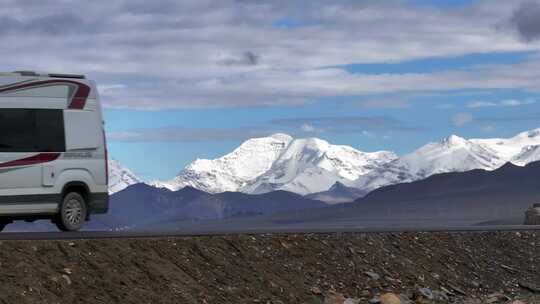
(474, 197)
(140, 204)
(338, 193)
(454, 154)
(336, 173)
(279, 162)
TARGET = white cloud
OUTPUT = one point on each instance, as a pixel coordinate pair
(481, 104)
(344, 124)
(200, 53)
(510, 103)
(462, 119)
(185, 134)
(307, 128)
(503, 103)
(368, 134)
(368, 126)
(515, 103)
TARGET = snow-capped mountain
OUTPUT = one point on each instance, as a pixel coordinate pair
(509, 148)
(527, 155)
(234, 170)
(454, 154)
(313, 165)
(120, 177)
(279, 162)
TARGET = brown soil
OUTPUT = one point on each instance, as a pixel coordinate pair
(270, 268)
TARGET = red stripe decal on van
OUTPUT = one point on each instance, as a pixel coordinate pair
(32, 160)
(76, 101)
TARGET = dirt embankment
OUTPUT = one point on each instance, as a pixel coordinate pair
(273, 268)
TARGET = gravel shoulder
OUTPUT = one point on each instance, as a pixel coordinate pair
(460, 267)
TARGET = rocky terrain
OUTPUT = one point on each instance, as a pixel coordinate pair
(494, 267)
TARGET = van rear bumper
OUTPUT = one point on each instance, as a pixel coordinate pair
(98, 203)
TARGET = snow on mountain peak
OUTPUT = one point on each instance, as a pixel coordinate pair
(454, 154)
(279, 162)
(508, 148)
(313, 165)
(282, 137)
(533, 133)
(454, 140)
(527, 155)
(120, 177)
(232, 171)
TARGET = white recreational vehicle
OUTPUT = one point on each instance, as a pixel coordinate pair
(53, 155)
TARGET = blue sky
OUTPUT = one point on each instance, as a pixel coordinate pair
(182, 80)
(430, 117)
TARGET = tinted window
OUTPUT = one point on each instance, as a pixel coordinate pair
(31, 130)
(50, 130)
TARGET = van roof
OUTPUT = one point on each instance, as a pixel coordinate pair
(36, 74)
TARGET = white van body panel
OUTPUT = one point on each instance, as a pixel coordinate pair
(34, 176)
(82, 134)
(24, 177)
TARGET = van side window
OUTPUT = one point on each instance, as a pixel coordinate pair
(32, 130)
(17, 130)
(50, 130)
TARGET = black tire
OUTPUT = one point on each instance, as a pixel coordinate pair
(72, 212)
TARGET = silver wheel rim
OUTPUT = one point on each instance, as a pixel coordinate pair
(73, 212)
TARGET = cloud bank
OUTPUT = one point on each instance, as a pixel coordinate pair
(164, 54)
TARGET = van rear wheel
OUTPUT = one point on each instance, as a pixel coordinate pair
(72, 212)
